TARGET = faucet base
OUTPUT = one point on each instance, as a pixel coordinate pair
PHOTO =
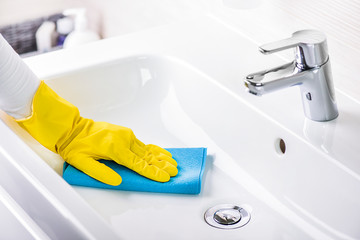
(318, 94)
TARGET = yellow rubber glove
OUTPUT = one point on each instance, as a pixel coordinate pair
(58, 126)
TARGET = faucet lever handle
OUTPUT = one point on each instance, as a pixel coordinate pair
(279, 45)
(310, 47)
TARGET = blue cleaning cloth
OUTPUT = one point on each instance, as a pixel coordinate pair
(191, 163)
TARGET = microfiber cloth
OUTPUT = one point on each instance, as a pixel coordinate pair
(191, 163)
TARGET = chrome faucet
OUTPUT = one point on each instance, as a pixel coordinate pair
(310, 70)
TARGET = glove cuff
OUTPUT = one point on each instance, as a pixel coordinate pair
(53, 119)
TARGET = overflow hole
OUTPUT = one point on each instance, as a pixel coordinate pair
(280, 146)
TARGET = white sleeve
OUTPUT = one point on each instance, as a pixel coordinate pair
(18, 83)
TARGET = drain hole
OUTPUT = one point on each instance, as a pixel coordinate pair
(227, 216)
(280, 146)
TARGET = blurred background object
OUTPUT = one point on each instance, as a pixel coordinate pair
(81, 33)
(39, 26)
(22, 36)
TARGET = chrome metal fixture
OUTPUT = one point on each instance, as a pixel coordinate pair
(227, 216)
(310, 70)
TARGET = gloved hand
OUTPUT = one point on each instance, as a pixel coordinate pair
(57, 125)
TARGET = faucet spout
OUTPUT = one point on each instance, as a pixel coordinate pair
(274, 79)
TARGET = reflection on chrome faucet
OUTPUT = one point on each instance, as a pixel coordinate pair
(320, 134)
(310, 70)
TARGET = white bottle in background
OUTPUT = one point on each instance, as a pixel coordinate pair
(81, 33)
(46, 37)
(64, 26)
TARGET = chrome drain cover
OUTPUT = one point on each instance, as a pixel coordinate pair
(227, 216)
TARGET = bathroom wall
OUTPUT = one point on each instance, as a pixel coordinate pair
(125, 16)
(115, 17)
(14, 11)
(18, 11)
(262, 20)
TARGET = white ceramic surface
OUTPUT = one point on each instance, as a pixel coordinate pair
(181, 86)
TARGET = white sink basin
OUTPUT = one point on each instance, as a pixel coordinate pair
(177, 94)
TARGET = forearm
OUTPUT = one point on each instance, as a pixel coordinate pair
(18, 83)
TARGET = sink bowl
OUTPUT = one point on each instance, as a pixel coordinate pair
(170, 103)
(299, 179)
